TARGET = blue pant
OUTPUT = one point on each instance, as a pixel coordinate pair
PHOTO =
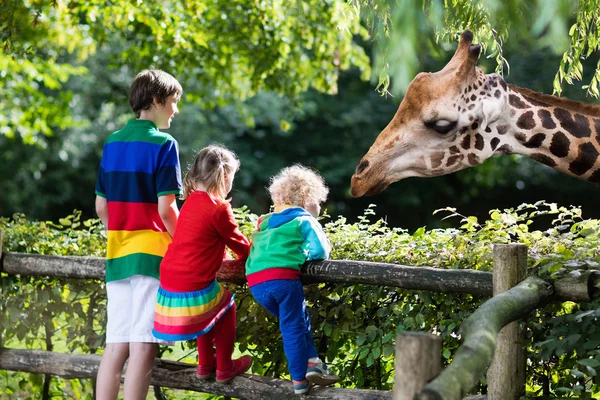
(285, 300)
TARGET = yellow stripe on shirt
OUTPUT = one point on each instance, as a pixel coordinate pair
(124, 243)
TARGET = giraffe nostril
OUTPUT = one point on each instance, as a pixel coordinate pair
(362, 166)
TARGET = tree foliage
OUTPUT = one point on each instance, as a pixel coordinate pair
(234, 50)
(231, 50)
(405, 29)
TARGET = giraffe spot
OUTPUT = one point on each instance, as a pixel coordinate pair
(454, 159)
(459, 108)
(473, 159)
(516, 101)
(595, 176)
(560, 145)
(470, 88)
(521, 137)
(578, 127)
(475, 125)
(488, 129)
(472, 106)
(482, 93)
(494, 83)
(544, 159)
(473, 97)
(464, 129)
(494, 143)
(497, 94)
(503, 83)
(454, 150)
(505, 149)
(437, 158)
(465, 91)
(535, 102)
(526, 121)
(467, 101)
(586, 158)
(597, 126)
(535, 141)
(466, 142)
(502, 129)
(479, 142)
(546, 118)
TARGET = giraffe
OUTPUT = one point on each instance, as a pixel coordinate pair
(458, 117)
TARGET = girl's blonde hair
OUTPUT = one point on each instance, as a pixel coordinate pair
(209, 169)
(298, 186)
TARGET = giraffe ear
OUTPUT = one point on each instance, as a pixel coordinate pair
(468, 65)
(474, 51)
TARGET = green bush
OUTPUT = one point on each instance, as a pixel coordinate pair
(354, 326)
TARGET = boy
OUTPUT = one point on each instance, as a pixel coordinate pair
(283, 241)
(138, 181)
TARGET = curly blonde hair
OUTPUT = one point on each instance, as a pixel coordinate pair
(298, 186)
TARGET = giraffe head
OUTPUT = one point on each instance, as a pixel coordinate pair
(436, 130)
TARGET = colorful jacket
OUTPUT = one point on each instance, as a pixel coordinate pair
(283, 242)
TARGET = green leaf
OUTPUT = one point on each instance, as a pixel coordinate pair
(590, 362)
(446, 353)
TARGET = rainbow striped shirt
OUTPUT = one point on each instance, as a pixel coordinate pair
(139, 164)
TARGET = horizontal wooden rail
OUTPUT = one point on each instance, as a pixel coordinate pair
(584, 287)
(175, 375)
(477, 283)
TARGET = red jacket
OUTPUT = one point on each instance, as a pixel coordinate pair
(204, 228)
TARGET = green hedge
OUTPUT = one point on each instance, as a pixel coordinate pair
(354, 326)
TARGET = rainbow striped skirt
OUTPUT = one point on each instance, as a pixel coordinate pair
(187, 315)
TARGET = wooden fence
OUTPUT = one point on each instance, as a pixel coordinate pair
(418, 372)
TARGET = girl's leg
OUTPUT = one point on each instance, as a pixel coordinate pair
(206, 357)
(139, 370)
(224, 334)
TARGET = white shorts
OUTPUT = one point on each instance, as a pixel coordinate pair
(130, 310)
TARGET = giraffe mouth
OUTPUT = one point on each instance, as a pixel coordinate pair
(360, 187)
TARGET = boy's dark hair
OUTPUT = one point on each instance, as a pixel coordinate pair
(151, 84)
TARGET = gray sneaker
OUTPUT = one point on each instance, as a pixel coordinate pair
(321, 375)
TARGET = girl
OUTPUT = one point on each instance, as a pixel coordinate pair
(191, 304)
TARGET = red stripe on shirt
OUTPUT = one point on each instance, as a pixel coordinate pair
(271, 274)
(125, 216)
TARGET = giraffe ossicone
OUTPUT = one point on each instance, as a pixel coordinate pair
(459, 117)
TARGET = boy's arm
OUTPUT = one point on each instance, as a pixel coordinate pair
(169, 212)
(102, 210)
(316, 245)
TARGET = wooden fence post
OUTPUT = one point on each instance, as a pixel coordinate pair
(506, 374)
(417, 361)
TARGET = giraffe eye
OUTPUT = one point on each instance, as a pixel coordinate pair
(442, 126)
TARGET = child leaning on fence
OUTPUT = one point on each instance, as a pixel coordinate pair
(138, 181)
(191, 304)
(283, 241)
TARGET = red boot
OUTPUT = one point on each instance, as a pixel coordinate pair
(240, 366)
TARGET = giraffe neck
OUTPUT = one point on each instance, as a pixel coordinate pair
(560, 133)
